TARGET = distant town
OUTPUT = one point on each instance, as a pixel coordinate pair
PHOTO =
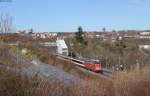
(103, 35)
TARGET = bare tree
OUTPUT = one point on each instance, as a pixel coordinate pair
(5, 24)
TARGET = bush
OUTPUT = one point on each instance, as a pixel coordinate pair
(13, 84)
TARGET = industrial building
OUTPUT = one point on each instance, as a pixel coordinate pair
(62, 47)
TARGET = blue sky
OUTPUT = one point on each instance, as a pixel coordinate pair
(67, 15)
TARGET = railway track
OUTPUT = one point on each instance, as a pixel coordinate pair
(105, 74)
(101, 75)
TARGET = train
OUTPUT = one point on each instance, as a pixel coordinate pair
(92, 65)
(89, 64)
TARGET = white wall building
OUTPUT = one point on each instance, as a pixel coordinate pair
(145, 35)
(61, 47)
(144, 46)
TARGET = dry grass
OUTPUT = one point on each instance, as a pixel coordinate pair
(133, 83)
(91, 89)
(13, 84)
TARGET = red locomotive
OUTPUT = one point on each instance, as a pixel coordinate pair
(93, 65)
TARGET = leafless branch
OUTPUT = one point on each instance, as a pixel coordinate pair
(5, 24)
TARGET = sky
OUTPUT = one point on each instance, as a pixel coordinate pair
(67, 15)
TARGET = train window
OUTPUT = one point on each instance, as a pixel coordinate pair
(64, 49)
(96, 62)
(65, 53)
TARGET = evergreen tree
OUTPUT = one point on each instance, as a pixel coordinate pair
(120, 45)
(79, 35)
